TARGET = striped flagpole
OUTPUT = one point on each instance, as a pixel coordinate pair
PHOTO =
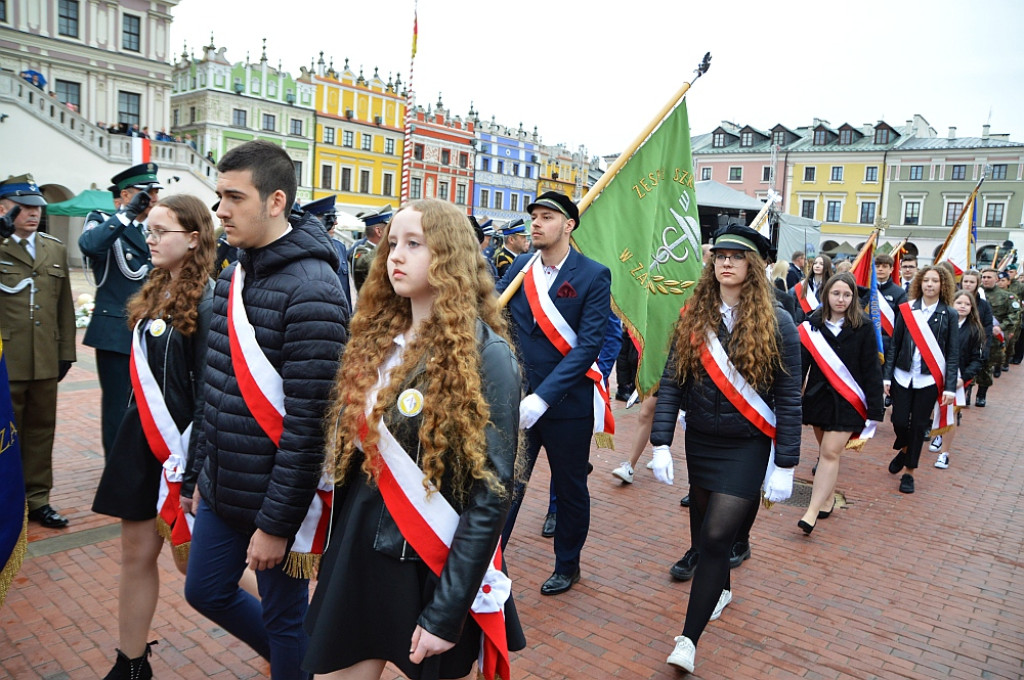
(410, 101)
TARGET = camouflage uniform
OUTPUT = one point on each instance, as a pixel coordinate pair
(1006, 310)
(360, 258)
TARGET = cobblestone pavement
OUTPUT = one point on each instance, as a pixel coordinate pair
(929, 585)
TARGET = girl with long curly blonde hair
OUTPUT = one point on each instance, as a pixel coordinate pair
(429, 360)
(733, 367)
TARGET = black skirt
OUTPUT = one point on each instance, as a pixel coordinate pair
(366, 603)
(130, 484)
(734, 466)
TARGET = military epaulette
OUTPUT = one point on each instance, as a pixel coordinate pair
(52, 238)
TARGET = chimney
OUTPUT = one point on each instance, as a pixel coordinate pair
(952, 132)
(984, 130)
(910, 126)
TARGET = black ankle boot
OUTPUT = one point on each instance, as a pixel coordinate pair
(132, 669)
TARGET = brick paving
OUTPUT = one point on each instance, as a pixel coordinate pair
(891, 586)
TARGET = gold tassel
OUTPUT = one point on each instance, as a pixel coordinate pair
(604, 440)
(940, 430)
(765, 502)
(163, 528)
(181, 551)
(856, 444)
(302, 565)
(16, 558)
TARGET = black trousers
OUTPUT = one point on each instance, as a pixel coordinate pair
(912, 418)
(116, 388)
(626, 365)
(567, 443)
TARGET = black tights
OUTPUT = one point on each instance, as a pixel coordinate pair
(720, 518)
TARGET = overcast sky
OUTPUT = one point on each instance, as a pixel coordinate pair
(596, 77)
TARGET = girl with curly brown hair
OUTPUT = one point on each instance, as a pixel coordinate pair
(734, 368)
(426, 414)
(143, 472)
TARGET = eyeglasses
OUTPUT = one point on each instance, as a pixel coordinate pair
(735, 257)
(158, 234)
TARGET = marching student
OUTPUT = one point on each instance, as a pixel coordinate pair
(843, 385)
(143, 472)
(972, 340)
(425, 422)
(808, 291)
(922, 360)
(734, 368)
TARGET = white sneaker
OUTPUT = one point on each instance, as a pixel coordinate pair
(943, 461)
(723, 599)
(683, 655)
(936, 444)
(624, 472)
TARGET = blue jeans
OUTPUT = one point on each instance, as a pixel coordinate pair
(272, 625)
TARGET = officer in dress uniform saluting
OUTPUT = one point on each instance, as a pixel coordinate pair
(37, 318)
(323, 209)
(119, 257)
(514, 244)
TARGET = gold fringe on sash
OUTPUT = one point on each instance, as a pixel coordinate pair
(302, 565)
(940, 430)
(181, 551)
(16, 558)
(604, 440)
(163, 528)
(855, 444)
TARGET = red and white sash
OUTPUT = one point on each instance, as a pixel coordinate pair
(428, 522)
(735, 387)
(809, 302)
(839, 377)
(886, 314)
(263, 391)
(558, 332)
(168, 444)
(932, 356)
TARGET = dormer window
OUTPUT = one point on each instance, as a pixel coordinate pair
(718, 140)
(881, 136)
(747, 139)
(779, 138)
(820, 137)
(845, 137)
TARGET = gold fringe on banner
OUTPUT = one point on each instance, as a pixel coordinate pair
(16, 558)
(302, 565)
(163, 528)
(604, 440)
(856, 444)
(181, 551)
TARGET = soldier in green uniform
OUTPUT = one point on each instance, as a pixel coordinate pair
(1004, 316)
(360, 255)
(514, 244)
(37, 316)
(1013, 334)
(119, 258)
(1017, 288)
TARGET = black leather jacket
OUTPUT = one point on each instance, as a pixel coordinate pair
(944, 324)
(708, 411)
(482, 513)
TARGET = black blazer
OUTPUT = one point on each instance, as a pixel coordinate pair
(971, 344)
(943, 323)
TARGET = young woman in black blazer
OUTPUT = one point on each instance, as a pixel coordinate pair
(907, 377)
(845, 328)
(972, 339)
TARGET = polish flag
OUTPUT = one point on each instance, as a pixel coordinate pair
(140, 150)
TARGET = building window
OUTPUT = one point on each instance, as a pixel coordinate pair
(128, 107)
(364, 181)
(131, 33)
(526, 200)
(296, 127)
(999, 171)
(191, 114)
(3, 10)
(718, 140)
(515, 169)
(499, 198)
(820, 137)
(446, 157)
(952, 212)
(346, 179)
(269, 122)
(328, 135)
(460, 194)
(705, 174)
(916, 172)
(845, 137)
(867, 212)
(239, 118)
(388, 188)
(513, 202)
(326, 177)
(747, 139)
(175, 118)
(389, 147)
(501, 167)
(833, 212)
(298, 172)
(463, 160)
(881, 136)
(994, 214)
(809, 174)
(959, 172)
(442, 190)
(67, 18)
(766, 173)
(69, 93)
(807, 209)
(367, 142)
(779, 138)
(417, 152)
(348, 138)
(735, 174)
(871, 173)
(837, 173)
(415, 188)
(485, 164)
(485, 198)
(912, 212)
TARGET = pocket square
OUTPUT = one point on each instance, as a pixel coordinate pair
(566, 291)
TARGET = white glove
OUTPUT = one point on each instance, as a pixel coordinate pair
(530, 411)
(662, 464)
(778, 484)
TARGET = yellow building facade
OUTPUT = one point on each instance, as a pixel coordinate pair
(843, 193)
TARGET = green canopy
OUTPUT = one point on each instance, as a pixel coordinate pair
(83, 204)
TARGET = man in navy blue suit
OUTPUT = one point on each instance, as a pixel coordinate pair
(559, 409)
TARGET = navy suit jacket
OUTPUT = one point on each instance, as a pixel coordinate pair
(562, 381)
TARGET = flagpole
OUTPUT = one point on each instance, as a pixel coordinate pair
(607, 177)
(410, 101)
(860, 255)
(956, 225)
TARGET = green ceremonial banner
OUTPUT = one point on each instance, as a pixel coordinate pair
(644, 227)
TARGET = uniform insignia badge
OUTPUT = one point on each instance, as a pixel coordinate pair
(410, 402)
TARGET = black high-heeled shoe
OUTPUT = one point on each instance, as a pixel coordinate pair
(807, 528)
(825, 515)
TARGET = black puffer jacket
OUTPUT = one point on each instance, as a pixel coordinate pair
(709, 412)
(296, 306)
